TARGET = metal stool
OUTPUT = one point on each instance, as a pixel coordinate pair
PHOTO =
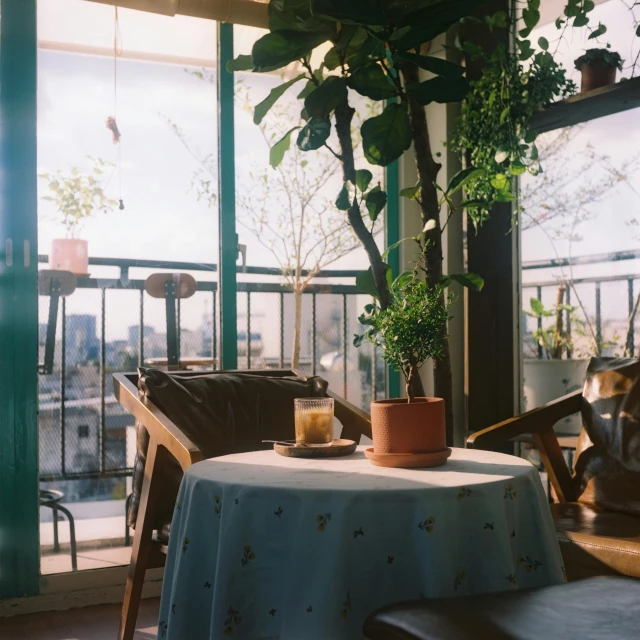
(51, 498)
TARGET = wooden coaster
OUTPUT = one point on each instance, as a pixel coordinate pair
(408, 460)
(338, 448)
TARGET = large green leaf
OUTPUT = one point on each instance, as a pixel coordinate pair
(262, 108)
(387, 136)
(314, 134)
(430, 63)
(371, 50)
(363, 178)
(376, 201)
(276, 154)
(371, 81)
(241, 63)
(278, 48)
(366, 284)
(325, 98)
(431, 20)
(439, 90)
(469, 280)
(411, 192)
(463, 177)
(343, 201)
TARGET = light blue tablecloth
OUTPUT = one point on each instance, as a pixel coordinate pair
(269, 547)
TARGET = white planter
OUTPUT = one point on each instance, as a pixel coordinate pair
(70, 254)
(546, 380)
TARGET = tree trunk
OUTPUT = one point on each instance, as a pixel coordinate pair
(344, 115)
(428, 170)
(297, 323)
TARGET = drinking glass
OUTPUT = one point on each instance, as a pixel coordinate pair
(314, 421)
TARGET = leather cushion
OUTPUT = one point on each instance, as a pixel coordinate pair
(221, 413)
(595, 541)
(597, 609)
(607, 467)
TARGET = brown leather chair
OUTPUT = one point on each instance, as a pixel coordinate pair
(185, 417)
(597, 609)
(597, 518)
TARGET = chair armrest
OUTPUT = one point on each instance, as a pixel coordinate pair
(161, 430)
(355, 422)
(535, 421)
(539, 422)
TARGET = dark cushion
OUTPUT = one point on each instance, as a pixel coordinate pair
(595, 609)
(221, 413)
(596, 541)
(607, 467)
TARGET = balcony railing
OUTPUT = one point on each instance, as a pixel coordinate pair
(85, 434)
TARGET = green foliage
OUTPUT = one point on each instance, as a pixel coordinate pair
(77, 195)
(277, 151)
(262, 109)
(599, 58)
(494, 125)
(387, 136)
(322, 101)
(552, 339)
(314, 134)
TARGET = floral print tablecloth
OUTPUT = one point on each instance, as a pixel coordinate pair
(266, 547)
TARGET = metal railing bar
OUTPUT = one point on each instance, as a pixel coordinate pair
(598, 318)
(539, 296)
(344, 345)
(85, 475)
(589, 280)
(281, 329)
(248, 329)
(63, 387)
(568, 319)
(141, 330)
(214, 329)
(314, 333)
(614, 256)
(101, 435)
(179, 327)
(631, 336)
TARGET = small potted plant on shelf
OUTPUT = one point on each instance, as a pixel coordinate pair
(598, 68)
(77, 196)
(410, 330)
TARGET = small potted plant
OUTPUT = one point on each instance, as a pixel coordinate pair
(555, 371)
(410, 331)
(598, 68)
(77, 196)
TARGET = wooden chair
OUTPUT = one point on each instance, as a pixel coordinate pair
(597, 517)
(169, 448)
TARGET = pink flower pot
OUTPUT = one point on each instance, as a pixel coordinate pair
(70, 254)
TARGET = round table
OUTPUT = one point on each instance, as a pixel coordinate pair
(268, 547)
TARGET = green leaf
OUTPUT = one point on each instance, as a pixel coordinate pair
(308, 88)
(559, 23)
(241, 63)
(262, 109)
(343, 201)
(439, 90)
(543, 43)
(371, 81)
(516, 168)
(363, 178)
(475, 204)
(503, 114)
(530, 136)
(366, 284)
(276, 154)
(358, 339)
(323, 100)
(402, 280)
(314, 134)
(536, 306)
(638, 31)
(463, 177)
(440, 67)
(500, 181)
(387, 136)
(332, 59)
(596, 33)
(411, 192)
(279, 48)
(376, 201)
(469, 280)
(526, 50)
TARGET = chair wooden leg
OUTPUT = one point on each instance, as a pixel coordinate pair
(142, 542)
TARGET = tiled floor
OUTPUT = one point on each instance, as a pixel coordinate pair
(89, 623)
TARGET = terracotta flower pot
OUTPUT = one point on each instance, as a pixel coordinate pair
(402, 427)
(596, 76)
(70, 254)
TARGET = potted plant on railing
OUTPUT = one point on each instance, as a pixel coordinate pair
(555, 372)
(598, 68)
(410, 330)
(77, 196)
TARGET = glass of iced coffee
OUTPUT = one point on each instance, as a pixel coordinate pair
(314, 422)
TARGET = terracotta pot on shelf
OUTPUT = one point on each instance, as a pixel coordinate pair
(594, 77)
(401, 427)
(70, 254)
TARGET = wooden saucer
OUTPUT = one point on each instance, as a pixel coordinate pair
(408, 460)
(338, 447)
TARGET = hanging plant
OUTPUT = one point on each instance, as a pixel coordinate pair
(494, 124)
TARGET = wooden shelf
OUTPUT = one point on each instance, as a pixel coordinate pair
(598, 103)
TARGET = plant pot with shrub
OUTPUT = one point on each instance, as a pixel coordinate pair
(410, 330)
(598, 68)
(77, 196)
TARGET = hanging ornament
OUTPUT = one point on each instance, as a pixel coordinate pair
(113, 127)
(111, 122)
